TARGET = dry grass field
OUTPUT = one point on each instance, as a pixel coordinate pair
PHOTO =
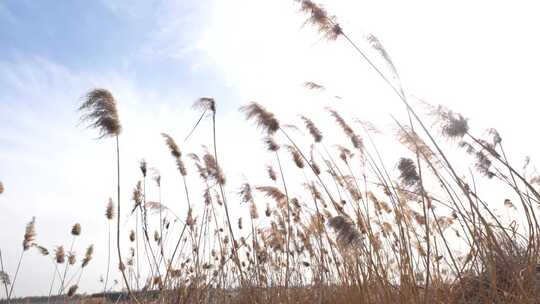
(350, 230)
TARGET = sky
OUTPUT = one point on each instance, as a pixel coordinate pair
(157, 57)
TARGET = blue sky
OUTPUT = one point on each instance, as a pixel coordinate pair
(157, 57)
(153, 44)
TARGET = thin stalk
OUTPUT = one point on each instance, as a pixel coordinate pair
(108, 257)
(15, 276)
(2, 269)
(137, 247)
(66, 268)
(287, 251)
(118, 223)
(237, 259)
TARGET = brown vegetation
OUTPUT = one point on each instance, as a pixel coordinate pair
(354, 230)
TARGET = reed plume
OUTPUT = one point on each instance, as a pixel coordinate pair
(377, 46)
(171, 144)
(313, 130)
(99, 111)
(42, 250)
(29, 234)
(109, 211)
(206, 104)
(273, 193)
(297, 158)
(271, 173)
(175, 152)
(319, 18)
(271, 144)
(408, 173)
(356, 140)
(348, 235)
(212, 168)
(453, 125)
(72, 290)
(72, 258)
(4, 278)
(87, 256)
(76, 229)
(245, 193)
(60, 255)
(263, 119)
(142, 166)
(313, 86)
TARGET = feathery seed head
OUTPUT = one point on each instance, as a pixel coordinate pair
(453, 125)
(42, 250)
(175, 152)
(137, 196)
(212, 168)
(156, 176)
(271, 173)
(456, 126)
(313, 130)
(297, 158)
(71, 258)
(99, 110)
(60, 255)
(142, 166)
(408, 174)
(4, 278)
(76, 229)
(347, 234)
(253, 212)
(109, 211)
(263, 119)
(313, 86)
(245, 193)
(88, 256)
(319, 18)
(173, 147)
(344, 153)
(206, 103)
(29, 234)
(496, 137)
(240, 223)
(268, 211)
(273, 192)
(72, 290)
(271, 145)
(356, 140)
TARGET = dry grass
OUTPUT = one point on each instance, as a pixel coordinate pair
(353, 229)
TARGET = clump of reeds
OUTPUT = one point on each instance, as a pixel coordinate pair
(354, 229)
